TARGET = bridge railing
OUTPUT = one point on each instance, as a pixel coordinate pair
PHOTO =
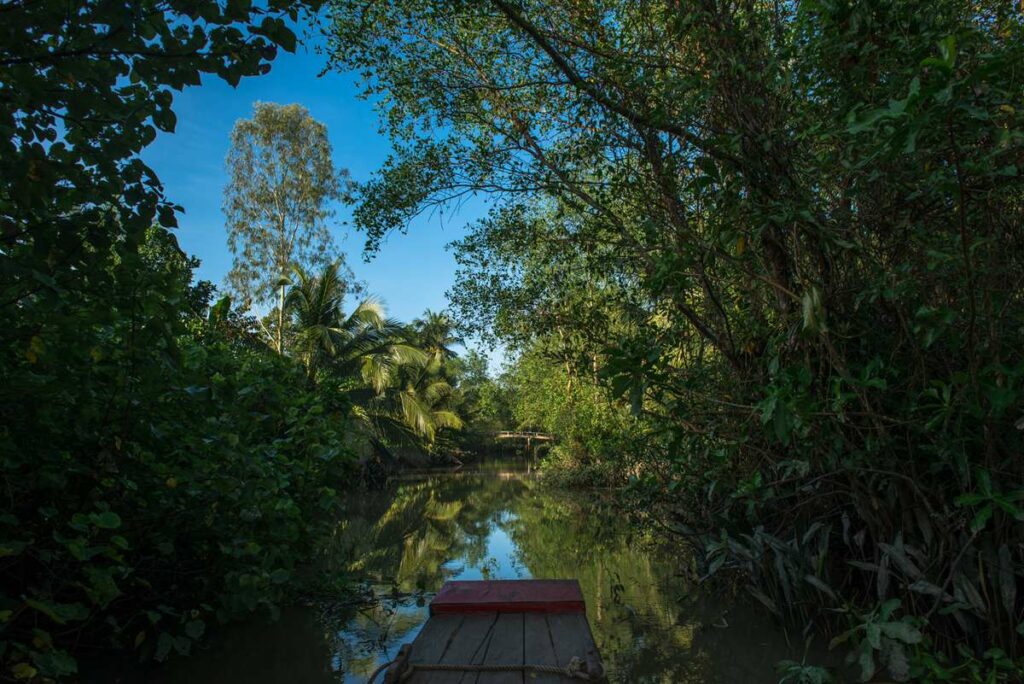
(519, 434)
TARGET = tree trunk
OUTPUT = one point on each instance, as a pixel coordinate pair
(280, 321)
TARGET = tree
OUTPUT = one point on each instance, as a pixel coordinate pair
(80, 96)
(784, 235)
(420, 401)
(282, 180)
(102, 335)
(436, 332)
(365, 344)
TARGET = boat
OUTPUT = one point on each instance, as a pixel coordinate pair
(501, 632)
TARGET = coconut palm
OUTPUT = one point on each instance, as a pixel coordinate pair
(401, 396)
(425, 399)
(416, 406)
(364, 344)
(436, 333)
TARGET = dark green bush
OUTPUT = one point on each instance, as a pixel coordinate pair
(161, 472)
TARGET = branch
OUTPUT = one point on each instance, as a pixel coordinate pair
(632, 115)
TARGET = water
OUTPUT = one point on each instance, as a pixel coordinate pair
(496, 522)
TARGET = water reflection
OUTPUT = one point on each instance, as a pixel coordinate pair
(496, 522)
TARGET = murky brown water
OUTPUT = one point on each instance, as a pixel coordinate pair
(495, 521)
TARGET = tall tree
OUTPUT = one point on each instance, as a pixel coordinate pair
(94, 295)
(277, 202)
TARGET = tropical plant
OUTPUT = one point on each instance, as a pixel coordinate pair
(395, 387)
(436, 334)
(423, 398)
(364, 344)
(115, 535)
(133, 415)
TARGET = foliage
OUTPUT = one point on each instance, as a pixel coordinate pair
(436, 334)
(800, 673)
(483, 402)
(81, 93)
(399, 390)
(422, 398)
(365, 344)
(598, 439)
(164, 472)
(787, 238)
(281, 177)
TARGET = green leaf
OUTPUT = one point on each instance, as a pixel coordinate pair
(182, 645)
(871, 120)
(102, 588)
(981, 518)
(55, 663)
(927, 588)
(276, 30)
(820, 585)
(896, 661)
(970, 499)
(901, 631)
(195, 629)
(873, 634)
(764, 599)
(164, 644)
(165, 119)
(1008, 507)
(888, 608)
(61, 613)
(107, 520)
(866, 660)
(783, 423)
(947, 48)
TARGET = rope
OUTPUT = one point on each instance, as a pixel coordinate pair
(575, 669)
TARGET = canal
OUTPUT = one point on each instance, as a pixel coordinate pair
(495, 521)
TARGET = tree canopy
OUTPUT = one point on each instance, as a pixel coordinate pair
(784, 236)
(281, 183)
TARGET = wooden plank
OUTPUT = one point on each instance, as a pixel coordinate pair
(435, 638)
(468, 646)
(428, 646)
(509, 596)
(539, 649)
(570, 634)
(505, 647)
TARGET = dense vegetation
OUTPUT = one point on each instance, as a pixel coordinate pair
(763, 262)
(759, 265)
(170, 461)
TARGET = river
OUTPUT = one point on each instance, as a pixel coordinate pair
(495, 521)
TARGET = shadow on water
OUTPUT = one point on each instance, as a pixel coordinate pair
(495, 522)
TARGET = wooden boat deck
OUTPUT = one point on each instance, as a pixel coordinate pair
(523, 623)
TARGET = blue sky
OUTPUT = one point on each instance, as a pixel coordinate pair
(410, 273)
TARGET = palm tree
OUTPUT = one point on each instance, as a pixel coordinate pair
(415, 408)
(436, 332)
(363, 344)
(401, 395)
(424, 399)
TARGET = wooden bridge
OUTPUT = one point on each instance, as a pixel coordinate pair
(528, 436)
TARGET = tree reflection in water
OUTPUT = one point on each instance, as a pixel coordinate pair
(495, 521)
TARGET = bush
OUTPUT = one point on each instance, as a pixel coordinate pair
(161, 472)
